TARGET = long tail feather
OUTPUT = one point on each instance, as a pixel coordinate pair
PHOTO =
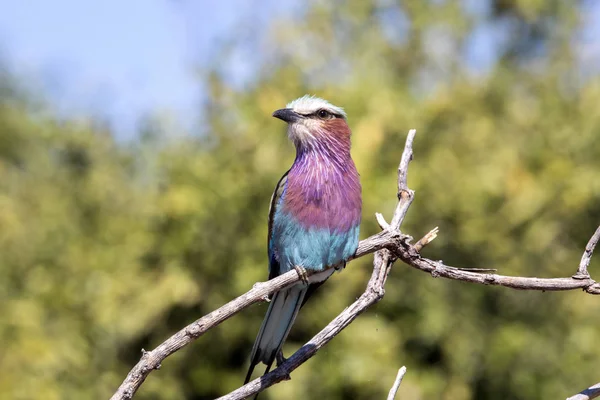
(276, 326)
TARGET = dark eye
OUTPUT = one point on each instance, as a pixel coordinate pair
(323, 114)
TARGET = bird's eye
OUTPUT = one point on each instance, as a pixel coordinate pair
(323, 114)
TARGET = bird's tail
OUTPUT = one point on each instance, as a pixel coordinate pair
(276, 326)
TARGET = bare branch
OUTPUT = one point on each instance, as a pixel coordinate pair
(582, 271)
(397, 382)
(590, 393)
(381, 221)
(371, 295)
(402, 249)
(151, 360)
(410, 256)
(425, 240)
(379, 241)
(388, 245)
(405, 195)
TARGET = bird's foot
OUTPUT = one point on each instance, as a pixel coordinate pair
(302, 273)
(280, 358)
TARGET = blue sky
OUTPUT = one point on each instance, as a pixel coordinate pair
(116, 59)
(122, 59)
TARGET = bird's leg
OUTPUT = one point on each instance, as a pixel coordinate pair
(280, 358)
(301, 273)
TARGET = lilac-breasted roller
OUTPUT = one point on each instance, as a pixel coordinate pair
(314, 216)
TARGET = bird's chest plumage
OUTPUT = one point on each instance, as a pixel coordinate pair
(316, 223)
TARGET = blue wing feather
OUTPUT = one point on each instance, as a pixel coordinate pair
(278, 193)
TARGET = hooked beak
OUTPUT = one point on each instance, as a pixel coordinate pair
(287, 114)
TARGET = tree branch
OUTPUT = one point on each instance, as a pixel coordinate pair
(590, 393)
(388, 245)
(411, 256)
(582, 271)
(397, 382)
(405, 195)
(260, 291)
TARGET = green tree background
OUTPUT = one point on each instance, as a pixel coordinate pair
(108, 247)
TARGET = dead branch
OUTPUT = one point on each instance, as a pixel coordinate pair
(397, 382)
(590, 393)
(388, 245)
(582, 271)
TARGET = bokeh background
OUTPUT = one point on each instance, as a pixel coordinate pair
(138, 156)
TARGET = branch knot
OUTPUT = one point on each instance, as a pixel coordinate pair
(581, 276)
(594, 288)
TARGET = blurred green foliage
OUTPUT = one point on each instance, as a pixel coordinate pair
(109, 247)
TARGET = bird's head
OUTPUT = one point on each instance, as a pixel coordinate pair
(314, 122)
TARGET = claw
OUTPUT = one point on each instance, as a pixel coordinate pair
(280, 358)
(302, 273)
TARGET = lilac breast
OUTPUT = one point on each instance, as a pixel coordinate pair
(324, 192)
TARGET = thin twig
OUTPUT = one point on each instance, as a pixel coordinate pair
(582, 271)
(425, 240)
(588, 394)
(405, 195)
(381, 221)
(397, 382)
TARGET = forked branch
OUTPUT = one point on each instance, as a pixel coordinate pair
(388, 245)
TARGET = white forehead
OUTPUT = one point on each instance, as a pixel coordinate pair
(309, 104)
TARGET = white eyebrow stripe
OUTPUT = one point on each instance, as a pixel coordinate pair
(308, 104)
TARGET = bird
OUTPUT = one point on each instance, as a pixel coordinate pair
(314, 216)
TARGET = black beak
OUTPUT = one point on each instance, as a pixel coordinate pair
(287, 115)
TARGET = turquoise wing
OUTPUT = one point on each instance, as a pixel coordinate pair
(275, 203)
